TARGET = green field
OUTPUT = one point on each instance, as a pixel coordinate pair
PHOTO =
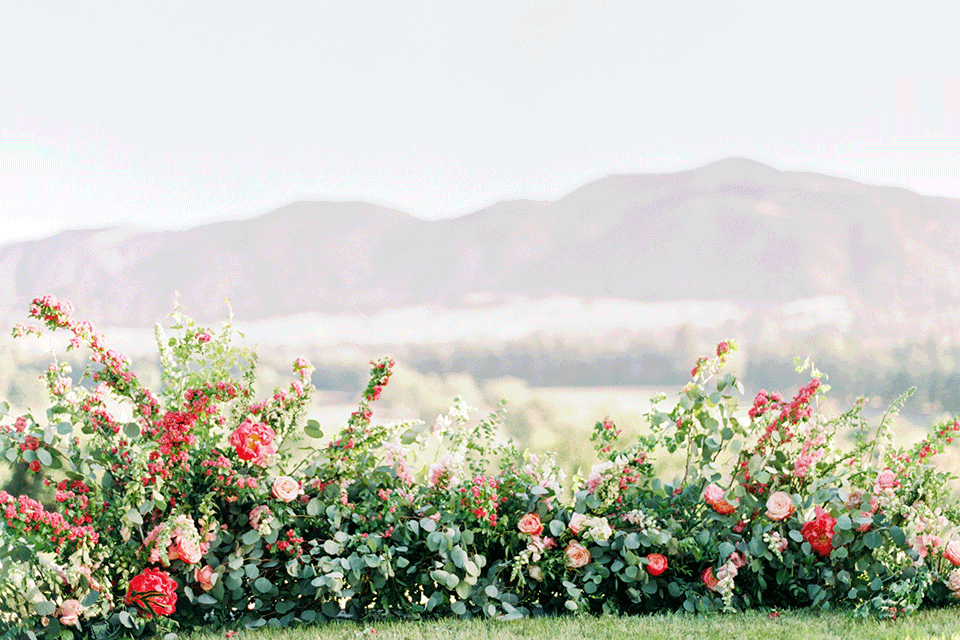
(924, 625)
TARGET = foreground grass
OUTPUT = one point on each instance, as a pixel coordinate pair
(942, 624)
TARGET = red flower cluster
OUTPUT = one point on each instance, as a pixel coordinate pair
(819, 532)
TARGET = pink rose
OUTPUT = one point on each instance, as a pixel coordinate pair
(577, 555)
(253, 441)
(576, 523)
(951, 552)
(285, 489)
(205, 577)
(530, 524)
(712, 494)
(259, 514)
(886, 479)
(70, 612)
(779, 505)
(185, 549)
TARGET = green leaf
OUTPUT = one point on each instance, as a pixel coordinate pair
(43, 455)
(556, 528)
(844, 523)
(409, 437)
(872, 540)
(896, 533)
(131, 430)
(331, 547)
(206, 598)
(459, 557)
(466, 536)
(90, 599)
(458, 608)
(491, 591)
(133, 516)
(64, 428)
(314, 507)
(312, 429)
(4, 409)
(250, 537)
(428, 525)
(262, 585)
(725, 549)
(44, 608)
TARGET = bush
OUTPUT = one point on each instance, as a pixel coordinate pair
(200, 506)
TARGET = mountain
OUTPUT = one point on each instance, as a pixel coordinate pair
(735, 231)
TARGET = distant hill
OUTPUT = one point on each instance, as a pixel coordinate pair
(733, 231)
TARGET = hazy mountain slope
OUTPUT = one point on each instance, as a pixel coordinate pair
(733, 230)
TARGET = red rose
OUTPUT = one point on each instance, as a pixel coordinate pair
(819, 532)
(709, 579)
(153, 592)
(656, 564)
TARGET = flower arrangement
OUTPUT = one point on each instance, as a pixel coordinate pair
(198, 505)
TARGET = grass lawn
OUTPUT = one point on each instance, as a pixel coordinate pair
(925, 625)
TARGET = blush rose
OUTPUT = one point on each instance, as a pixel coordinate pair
(205, 577)
(577, 555)
(779, 505)
(70, 612)
(530, 524)
(285, 489)
(951, 552)
(576, 523)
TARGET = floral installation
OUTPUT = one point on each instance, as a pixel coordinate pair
(199, 505)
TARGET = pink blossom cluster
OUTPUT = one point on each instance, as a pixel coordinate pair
(26, 515)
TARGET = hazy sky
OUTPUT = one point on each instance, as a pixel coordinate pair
(171, 114)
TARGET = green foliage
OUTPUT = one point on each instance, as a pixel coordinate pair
(202, 507)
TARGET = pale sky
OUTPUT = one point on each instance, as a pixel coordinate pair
(173, 114)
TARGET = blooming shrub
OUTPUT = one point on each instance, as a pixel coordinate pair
(199, 505)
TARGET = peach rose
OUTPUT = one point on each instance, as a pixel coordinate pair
(723, 507)
(951, 552)
(205, 577)
(779, 505)
(285, 489)
(530, 524)
(712, 494)
(70, 612)
(576, 522)
(577, 555)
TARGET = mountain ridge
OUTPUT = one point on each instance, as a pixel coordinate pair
(734, 229)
